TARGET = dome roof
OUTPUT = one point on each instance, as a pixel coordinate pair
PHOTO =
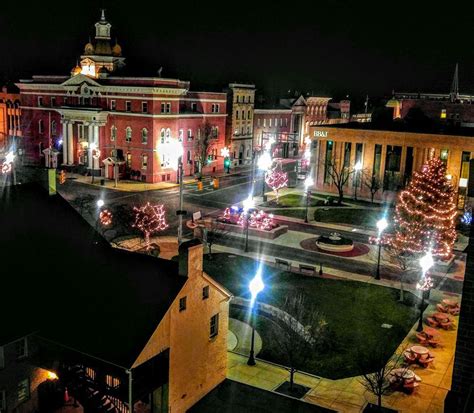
(89, 48)
(76, 70)
(117, 50)
(392, 103)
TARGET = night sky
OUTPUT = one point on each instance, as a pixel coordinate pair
(334, 48)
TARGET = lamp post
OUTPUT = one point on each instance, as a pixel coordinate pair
(424, 285)
(357, 169)
(264, 163)
(9, 165)
(100, 203)
(307, 183)
(255, 286)
(225, 155)
(176, 150)
(248, 204)
(381, 225)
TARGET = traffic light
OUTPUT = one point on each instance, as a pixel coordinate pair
(62, 177)
(227, 164)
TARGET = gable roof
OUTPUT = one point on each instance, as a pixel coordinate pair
(61, 279)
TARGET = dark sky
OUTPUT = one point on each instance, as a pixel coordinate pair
(331, 48)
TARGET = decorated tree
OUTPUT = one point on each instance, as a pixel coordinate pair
(425, 214)
(276, 179)
(150, 219)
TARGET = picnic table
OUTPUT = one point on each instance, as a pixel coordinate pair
(404, 379)
(431, 332)
(419, 350)
(450, 303)
(441, 317)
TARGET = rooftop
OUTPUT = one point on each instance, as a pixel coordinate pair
(67, 283)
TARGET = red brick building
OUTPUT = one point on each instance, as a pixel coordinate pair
(136, 123)
(10, 114)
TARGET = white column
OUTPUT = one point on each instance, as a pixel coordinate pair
(70, 145)
(96, 141)
(65, 141)
(90, 140)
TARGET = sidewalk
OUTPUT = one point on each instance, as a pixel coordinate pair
(137, 186)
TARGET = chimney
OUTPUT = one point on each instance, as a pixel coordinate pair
(190, 258)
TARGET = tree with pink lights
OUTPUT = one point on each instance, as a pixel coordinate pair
(276, 179)
(150, 219)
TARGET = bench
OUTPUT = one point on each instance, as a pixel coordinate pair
(307, 269)
(283, 264)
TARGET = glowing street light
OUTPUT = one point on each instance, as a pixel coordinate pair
(248, 204)
(424, 285)
(225, 153)
(100, 203)
(357, 169)
(382, 224)
(256, 285)
(307, 184)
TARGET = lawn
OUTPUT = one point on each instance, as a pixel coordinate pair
(293, 213)
(350, 216)
(354, 312)
(294, 200)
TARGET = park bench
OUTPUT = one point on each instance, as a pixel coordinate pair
(307, 269)
(283, 264)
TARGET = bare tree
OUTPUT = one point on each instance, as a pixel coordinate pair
(203, 144)
(340, 175)
(378, 382)
(84, 204)
(212, 233)
(299, 334)
(373, 183)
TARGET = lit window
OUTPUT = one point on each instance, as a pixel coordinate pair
(21, 348)
(145, 107)
(128, 106)
(162, 135)
(281, 121)
(205, 292)
(111, 381)
(190, 135)
(129, 159)
(180, 135)
(23, 390)
(258, 122)
(128, 134)
(53, 127)
(182, 304)
(168, 135)
(144, 136)
(40, 126)
(270, 122)
(144, 161)
(214, 326)
(443, 114)
(113, 133)
(264, 123)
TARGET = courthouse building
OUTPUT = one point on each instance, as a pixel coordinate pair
(101, 122)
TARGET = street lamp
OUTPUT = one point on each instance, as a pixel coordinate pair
(248, 204)
(357, 169)
(255, 286)
(424, 285)
(307, 183)
(381, 225)
(9, 165)
(100, 203)
(175, 150)
(264, 164)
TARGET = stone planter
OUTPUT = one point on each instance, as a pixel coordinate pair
(255, 232)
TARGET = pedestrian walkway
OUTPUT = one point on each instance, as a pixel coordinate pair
(348, 394)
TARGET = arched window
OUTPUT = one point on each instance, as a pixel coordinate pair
(113, 133)
(162, 135)
(188, 157)
(144, 161)
(144, 136)
(53, 127)
(168, 134)
(128, 134)
(40, 126)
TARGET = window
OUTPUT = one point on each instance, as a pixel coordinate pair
(249, 99)
(270, 121)
(347, 154)
(249, 115)
(180, 135)
(215, 132)
(21, 348)
(215, 108)
(243, 129)
(236, 131)
(276, 122)
(188, 157)
(258, 122)
(205, 292)
(182, 304)
(53, 127)
(281, 121)
(23, 390)
(65, 100)
(113, 133)
(243, 114)
(329, 147)
(128, 134)
(144, 161)
(443, 114)
(190, 135)
(2, 359)
(444, 155)
(165, 107)
(193, 107)
(248, 130)
(129, 159)
(286, 121)
(3, 400)
(113, 105)
(162, 135)
(264, 123)
(168, 135)
(128, 106)
(40, 126)
(40, 100)
(53, 101)
(112, 381)
(90, 373)
(377, 159)
(237, 114)
(145, 107)
(214, 326)
(144, 136)
(392, 160)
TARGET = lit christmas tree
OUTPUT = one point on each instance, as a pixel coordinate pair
(425, 214)
(276, 179)
(150, 219)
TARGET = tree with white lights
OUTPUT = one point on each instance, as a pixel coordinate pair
(149, 219)
(276, 179)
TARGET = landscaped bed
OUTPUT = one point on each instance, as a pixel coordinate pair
(354, 312)
(350, 216)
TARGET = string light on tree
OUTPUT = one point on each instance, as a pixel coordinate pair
(150, 219)
(425, 213)
(276, 179)
(105, 217)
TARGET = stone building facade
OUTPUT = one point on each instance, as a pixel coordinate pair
(10, 119)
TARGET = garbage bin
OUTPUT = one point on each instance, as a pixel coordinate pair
(199, 185)
(102, 182)
(215, 183)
